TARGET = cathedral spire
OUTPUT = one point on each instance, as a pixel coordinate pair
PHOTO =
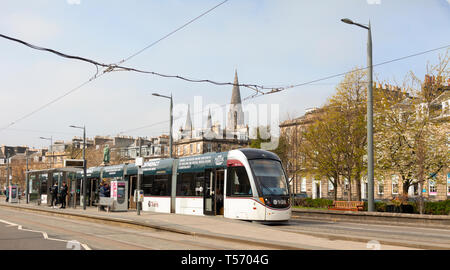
(188, 125)
(236, 93)
(235, 115)
(209, 121)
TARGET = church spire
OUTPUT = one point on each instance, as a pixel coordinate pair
(236, 93)
(188, 125)
(236, 114)
(209, 121)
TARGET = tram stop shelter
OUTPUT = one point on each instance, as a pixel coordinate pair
(40, 181)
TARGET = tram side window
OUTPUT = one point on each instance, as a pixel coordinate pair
(147, 184)
(157, 185)
(162, 185)
(191, 184)
(238, 182)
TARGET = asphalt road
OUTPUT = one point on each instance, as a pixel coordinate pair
(409, 236)
(11, 238)
(92, 235)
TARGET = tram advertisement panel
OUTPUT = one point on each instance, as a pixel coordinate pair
(201, 162)
(113, 189)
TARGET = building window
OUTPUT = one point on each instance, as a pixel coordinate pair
(446, 108)
(199, 148)
(448, 184)
(395, 184)
(303, 185)
(191, 146)
(432, 187)
(330, 185)
(380, 187)
(346, 186)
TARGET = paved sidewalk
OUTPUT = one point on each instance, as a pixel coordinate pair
(206, 226)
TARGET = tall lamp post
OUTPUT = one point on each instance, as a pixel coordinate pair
(51, 145)
(370, 175)
(84, 165)
(171, 120)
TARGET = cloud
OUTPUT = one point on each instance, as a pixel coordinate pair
(30, 26)
(73, 2)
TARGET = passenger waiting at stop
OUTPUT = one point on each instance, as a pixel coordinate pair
(63, 195)
(104, 192)
(7, 193)
(54, 193)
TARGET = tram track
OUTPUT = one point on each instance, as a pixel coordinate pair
(146, 236)
(65, 233)
(421, 237)
(125, 223)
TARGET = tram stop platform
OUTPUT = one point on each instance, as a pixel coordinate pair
(216, 227)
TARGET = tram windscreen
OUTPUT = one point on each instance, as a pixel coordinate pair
(270, 176)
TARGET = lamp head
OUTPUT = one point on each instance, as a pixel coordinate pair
(347, 21)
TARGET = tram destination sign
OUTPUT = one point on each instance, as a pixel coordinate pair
(74, 163)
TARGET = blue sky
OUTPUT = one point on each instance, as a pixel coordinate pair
(268, 42)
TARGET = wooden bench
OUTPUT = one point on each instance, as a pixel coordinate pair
(347, 205)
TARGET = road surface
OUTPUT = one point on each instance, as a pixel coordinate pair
(93, 235)
(409, 236)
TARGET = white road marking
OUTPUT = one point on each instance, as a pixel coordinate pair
(44, 234)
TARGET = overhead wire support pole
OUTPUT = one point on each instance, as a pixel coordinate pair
(370, 159)
(139, 178)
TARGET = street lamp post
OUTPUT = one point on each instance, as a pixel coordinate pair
(171, 120)
(84, 165)
(370, 174)
(51, 145)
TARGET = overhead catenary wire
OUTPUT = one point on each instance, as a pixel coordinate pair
(257, 88)
(172, 32)
(114, 67)
(96, 76)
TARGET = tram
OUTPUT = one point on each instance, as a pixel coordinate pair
(246, 184)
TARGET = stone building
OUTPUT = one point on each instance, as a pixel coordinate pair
(387, 186)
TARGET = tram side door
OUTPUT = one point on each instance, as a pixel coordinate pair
(220, 187)
(132, 185)
(209, 200)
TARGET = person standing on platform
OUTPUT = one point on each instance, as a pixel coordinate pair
(54, 193)
(63, 195)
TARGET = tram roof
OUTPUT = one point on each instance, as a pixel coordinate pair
(54, 170)
(252, 153)
(159, 166)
